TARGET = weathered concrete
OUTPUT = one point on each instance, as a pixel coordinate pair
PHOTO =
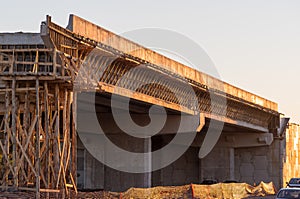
(217, 165)
(291, 151)
(117, 180)
(185, 170)
(252, 162)
(90, 171)
(255, 164)
(246, 156)
(96, 175)
(89, 30)
(244, 164)
(276, 162)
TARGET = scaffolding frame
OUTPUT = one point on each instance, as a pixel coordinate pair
(38, 123)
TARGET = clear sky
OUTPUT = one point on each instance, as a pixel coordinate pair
(255, 44)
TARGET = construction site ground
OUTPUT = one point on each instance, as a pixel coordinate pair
(98, 194)
(193, 191)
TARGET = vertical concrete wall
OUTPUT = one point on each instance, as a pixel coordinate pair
(239, 158)
(116, 180)
(119, 181)
(291, 160)
(183, 171)
(95, 175)
(245, 164)
(256, 164)
(218, 164)
(90, 171)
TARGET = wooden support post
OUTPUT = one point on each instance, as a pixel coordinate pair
(53, 115)
(65, 125)
(11, 69)
(68, 131)
(56, 140)
(54, 61)
(14, 132)
(32, 148)
(26, 123)
(5, 149)
(47, 137)
(62, 66)
(37, 137)
(63, 152)
(74, 138)
(73, 183)
(36, 63)
(7, 138)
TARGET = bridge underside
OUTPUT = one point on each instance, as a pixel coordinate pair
(243, 153)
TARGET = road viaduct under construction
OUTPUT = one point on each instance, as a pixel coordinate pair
(42, 75)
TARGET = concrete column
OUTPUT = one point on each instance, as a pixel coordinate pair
(231, 163)
(147, 162)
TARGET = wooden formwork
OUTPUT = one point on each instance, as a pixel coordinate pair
(37, 127)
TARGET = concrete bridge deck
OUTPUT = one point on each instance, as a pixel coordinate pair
(116, 56)
(88, 30)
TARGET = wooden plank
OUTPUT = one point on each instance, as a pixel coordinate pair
(26, 124)
(37, 136)
(6, 158)
(26, 157)
(31, 76)
(20, 164)
(14, 132)
(62, 66)
(17, 89)
(6, 129)
(34, 63)
(61, 166)
(56, 141)
(74, 183)
(74, 139)
(42, 190)
(26, 50)
(12, 62)
(68, 128)
(47, 127)
(54, 61)
(65, 142)
(26, 145)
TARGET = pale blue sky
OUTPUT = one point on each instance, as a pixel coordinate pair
(255, 44)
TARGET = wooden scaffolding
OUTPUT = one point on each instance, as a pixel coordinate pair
(37, 123)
